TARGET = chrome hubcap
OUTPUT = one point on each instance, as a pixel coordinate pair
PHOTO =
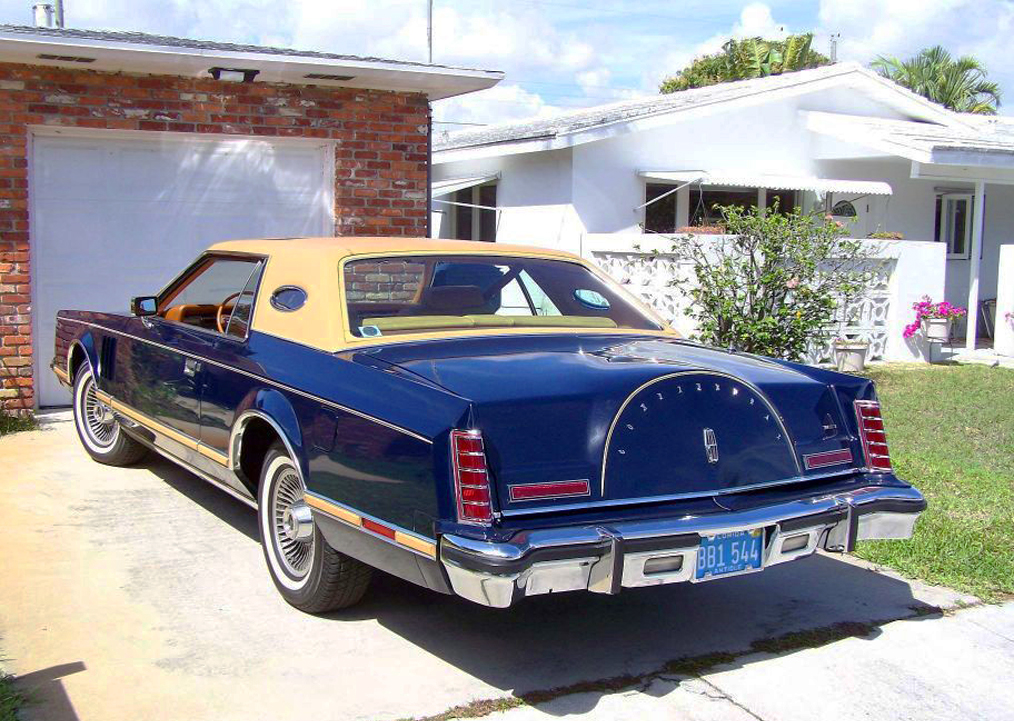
(293, 523)
(98, 418)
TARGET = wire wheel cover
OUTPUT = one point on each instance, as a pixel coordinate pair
(296, 555)
(99, 422)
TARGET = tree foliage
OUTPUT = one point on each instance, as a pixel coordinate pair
(772, 286)
(747, 58)
(959, 84)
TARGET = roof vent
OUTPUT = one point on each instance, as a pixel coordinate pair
(325, 76)
(65, 58)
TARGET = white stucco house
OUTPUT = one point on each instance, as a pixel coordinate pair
(604, 181)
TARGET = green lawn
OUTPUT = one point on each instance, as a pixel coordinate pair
(13, 424)
(10, 700)
(951, 434)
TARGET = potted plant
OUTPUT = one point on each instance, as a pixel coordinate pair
(934, 319)
(850, 354)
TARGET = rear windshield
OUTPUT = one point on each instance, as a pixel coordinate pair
(388, 296)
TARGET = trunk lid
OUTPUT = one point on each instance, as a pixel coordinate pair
(641, 418)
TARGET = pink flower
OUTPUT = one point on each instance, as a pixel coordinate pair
(926, 308)
(792, 283)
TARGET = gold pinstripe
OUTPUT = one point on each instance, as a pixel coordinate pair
(401, 538)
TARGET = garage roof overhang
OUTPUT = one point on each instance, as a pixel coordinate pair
(163, 55)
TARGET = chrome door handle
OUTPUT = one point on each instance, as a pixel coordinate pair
(190, 367)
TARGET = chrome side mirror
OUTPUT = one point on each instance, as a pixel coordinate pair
(144, 305)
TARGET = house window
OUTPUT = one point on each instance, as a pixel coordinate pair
(786, 200)
(954, 223)
(475, 223)
(704, 200)
(660, 216)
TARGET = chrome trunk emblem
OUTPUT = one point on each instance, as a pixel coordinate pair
(711, 445)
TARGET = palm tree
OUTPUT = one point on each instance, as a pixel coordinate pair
(960, 85)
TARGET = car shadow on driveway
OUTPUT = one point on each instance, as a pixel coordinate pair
(548, 642)
(554, 641)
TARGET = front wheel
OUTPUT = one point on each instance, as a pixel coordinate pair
(308, 573)
(97, 427)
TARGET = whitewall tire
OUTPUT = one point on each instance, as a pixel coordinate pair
(308, 573)
(98, 427)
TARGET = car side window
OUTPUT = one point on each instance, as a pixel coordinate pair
(242, 312)
(216, 284)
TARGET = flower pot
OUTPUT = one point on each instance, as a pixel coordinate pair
(937, 330)
(850, 355)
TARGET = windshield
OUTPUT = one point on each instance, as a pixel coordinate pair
(387, 296)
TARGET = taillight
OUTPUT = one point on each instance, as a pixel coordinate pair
(871, 433)
(471, 477)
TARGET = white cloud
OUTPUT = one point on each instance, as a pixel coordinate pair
(755, 20)
(981, 28)
(500, 104)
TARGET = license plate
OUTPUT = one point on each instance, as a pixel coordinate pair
(728, 553)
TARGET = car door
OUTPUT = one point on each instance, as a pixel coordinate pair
(226, 380)
(162, 377)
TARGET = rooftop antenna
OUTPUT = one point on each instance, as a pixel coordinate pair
(429, 28)
(48, 15)
(834, 46)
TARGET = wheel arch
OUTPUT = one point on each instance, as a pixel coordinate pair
(81, 349)
(267, 419)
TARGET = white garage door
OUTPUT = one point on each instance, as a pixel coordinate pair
(114, 218)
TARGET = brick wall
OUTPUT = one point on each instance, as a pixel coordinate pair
(380, 159)
(387, 281)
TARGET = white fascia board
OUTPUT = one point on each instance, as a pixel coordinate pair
(843, 127)
(117, 56)
(496, 150)
(958, 173)
(851, 77)
(975, 158)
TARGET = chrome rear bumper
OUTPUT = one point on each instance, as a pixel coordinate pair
(604, 558)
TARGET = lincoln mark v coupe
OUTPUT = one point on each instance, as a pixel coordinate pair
(484, 420)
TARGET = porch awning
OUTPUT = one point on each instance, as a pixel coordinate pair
(453, 185)
(769, 182)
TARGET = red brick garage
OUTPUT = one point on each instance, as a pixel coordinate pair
(108, 106)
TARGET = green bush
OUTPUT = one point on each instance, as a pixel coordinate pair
(773, 285)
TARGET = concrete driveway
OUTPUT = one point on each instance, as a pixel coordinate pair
(141, 594)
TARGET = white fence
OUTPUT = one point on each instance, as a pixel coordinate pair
(902, 272)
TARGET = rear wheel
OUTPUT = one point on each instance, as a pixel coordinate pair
(308, 573)
(97, 427)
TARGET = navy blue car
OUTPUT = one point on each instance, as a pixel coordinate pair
(483, 420)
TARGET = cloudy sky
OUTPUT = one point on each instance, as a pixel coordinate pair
(560, 54)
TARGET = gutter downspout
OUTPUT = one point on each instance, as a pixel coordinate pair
(975, 260)
(429, 168)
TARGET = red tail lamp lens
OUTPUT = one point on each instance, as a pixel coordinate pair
(871, 433)
(471, 477)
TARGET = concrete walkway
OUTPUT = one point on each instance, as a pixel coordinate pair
(956, 667)
(141, 593)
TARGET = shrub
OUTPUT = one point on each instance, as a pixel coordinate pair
(13, 424)
(774, 284)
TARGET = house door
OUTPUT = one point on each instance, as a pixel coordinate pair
(954, 213)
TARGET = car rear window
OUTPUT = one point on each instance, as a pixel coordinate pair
(413, 294)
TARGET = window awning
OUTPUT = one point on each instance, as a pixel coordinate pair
(453, 185)
(769, 182)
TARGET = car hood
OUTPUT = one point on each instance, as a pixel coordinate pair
(628, 412)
